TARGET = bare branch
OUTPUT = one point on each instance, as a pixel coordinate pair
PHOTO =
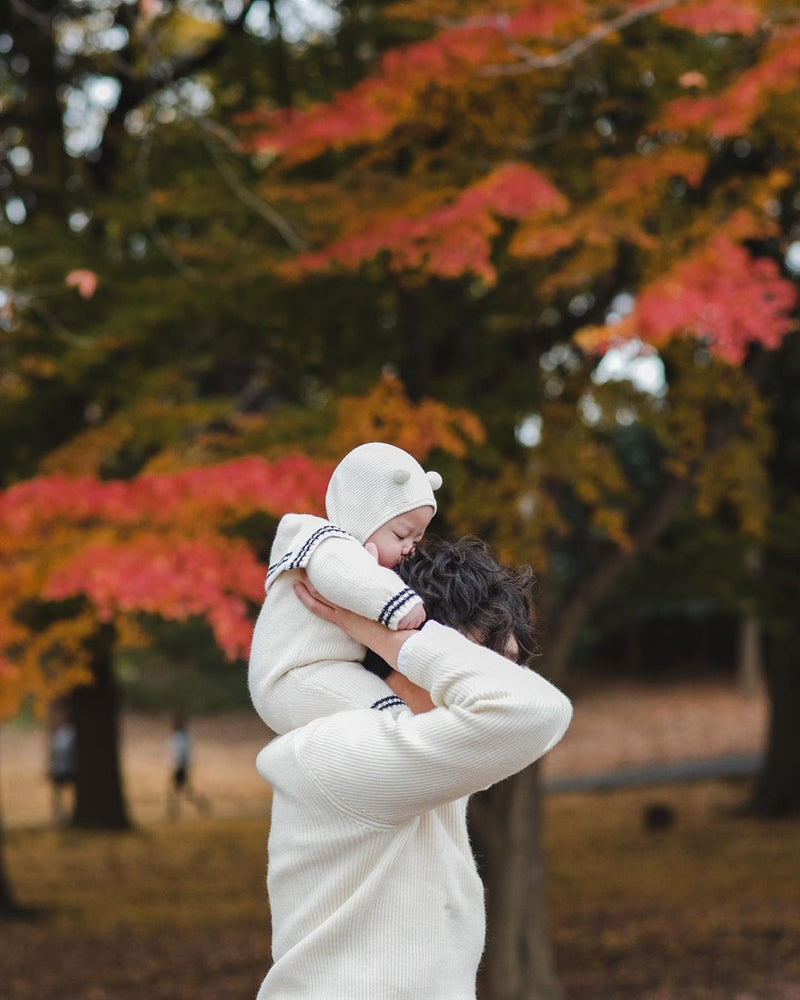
(44, 21)
(244, 194)
(159, 241)
(531, 61)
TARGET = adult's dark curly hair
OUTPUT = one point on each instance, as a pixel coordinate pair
(464, 586)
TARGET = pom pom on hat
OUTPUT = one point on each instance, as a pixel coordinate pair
(374, 483)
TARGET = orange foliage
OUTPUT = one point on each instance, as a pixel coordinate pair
(641, 179)
(184, 499)
(157, 544)
(387, 414)
(392, 94)
(631, 197)
(171, 577)
(720, 294)
(162, 544)
(628, 188)
(733, 111)
(452, 240)
(744, 17)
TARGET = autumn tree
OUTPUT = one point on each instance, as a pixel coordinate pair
(85, 559)
(89, 562)
(546, 183)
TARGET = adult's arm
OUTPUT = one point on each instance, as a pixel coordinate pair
(492, 719)
(344, 573)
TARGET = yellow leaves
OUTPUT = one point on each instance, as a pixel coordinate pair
(37, 366)
(598, 339)
(509, 509)
(46, 665)
(386, 413)
(613, 525)
(130, 634)
(185, 36)
(145, 428)
(735, 478)
(541, 239)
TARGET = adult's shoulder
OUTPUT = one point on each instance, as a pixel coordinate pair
(287, 755)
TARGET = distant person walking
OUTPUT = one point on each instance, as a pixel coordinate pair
(61, 762)
(180, 747)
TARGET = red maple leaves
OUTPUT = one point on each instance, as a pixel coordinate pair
(452, 240)
(158, 544)
(733, 110)
(194, 496)
(721, 295)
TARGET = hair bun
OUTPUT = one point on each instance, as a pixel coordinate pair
(401, 476)
(434, 479)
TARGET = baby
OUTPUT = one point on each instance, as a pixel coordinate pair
(379, 503)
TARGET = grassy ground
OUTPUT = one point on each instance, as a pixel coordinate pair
(705, 910)
(708, 909)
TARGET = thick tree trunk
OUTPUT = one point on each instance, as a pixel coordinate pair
(8, 904)
(94, 709)
(41, 114)
(505, 826)
(9, 908)
(749, 661)
(777, 790)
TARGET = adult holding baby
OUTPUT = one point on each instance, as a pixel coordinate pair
(373, 887)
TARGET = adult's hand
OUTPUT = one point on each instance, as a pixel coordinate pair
(378, 638)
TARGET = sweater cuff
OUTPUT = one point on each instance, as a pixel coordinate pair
(397, 607)
(406, 648)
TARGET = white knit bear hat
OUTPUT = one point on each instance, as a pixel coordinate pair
(374, 483)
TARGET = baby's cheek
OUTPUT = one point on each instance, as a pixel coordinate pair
(388, 558)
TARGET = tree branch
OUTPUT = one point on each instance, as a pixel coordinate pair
(646, 528)
(160, 242)
(244, 194)
(43, 21)
(531, 61)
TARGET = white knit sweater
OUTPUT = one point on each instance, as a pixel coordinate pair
(288, 636)
(372, 884)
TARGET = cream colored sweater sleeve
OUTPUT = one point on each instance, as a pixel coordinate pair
(492, 719)
(347, 575)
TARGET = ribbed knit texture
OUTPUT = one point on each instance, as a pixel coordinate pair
(302, 667)
(373, 888)
(374, 483)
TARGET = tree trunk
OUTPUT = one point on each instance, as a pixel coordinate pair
(749, 659)
(749, 665)
(40, 113)
(94, 709)
(279, 58)
(505, 827)
(8, 905)
(777, 790)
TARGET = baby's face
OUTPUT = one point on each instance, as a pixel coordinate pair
(398, 537)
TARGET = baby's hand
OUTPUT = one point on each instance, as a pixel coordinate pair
(414, 618)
